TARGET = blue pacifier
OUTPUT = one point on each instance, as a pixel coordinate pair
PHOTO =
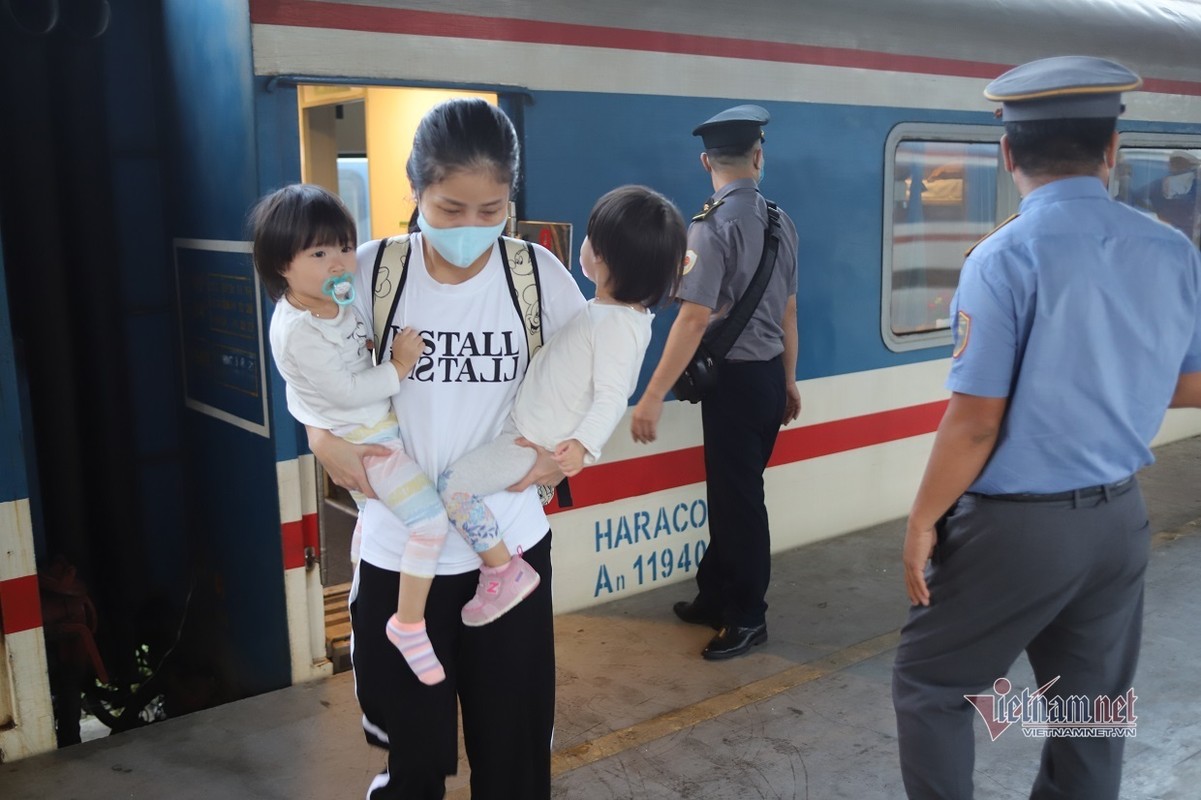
(339, 288)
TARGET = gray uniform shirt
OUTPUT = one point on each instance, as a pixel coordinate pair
(724, 245)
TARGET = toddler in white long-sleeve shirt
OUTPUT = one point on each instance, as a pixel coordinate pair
(578, 384)
(305, 256)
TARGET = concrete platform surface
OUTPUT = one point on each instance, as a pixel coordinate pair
(640, 715)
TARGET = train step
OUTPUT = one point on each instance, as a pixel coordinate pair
(337, 626)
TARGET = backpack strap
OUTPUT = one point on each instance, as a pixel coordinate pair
(387, 281)
(521, 271)
(525, 287)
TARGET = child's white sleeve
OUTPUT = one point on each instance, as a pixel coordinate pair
(616, 359)
(329, 376)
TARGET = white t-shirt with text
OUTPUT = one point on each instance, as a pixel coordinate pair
(463, 386)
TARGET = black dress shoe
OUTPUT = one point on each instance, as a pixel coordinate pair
(690, 613)
(734, 641)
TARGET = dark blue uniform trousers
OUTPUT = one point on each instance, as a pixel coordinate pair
(741, 420)
(1061, 580)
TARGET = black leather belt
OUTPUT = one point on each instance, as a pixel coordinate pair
(1108, 490)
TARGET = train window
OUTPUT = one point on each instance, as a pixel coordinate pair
(1162, 182)
(945, 188)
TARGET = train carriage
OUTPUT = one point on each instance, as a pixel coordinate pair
(881, 148)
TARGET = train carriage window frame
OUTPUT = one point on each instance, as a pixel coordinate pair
(949, 234)
(1145, 161)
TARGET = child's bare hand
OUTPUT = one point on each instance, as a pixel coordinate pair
(407, 346)
(569, 455)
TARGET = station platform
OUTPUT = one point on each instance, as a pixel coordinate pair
(641, 715)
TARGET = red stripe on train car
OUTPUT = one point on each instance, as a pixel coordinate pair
(311, 536)
(376, 19)
(293, 543)
(840, 435)
(605, 483)
(924, 238)
(298, 535)
(20, 604)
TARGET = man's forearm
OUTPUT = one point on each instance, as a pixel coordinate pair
(1188, 391)
(685, 335)
(965, 439)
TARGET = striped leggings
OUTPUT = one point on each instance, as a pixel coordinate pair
(401, 485)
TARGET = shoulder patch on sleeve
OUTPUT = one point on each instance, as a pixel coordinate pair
(963, 330)
(708, 209)
(689, 261)
(1005, 222)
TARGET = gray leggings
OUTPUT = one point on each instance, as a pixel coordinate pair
(485, 470)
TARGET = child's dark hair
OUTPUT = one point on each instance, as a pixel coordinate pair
(1057, 147)
(463, 134)
(293, 219)
(641, 237)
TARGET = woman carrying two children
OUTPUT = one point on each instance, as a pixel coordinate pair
(463, 170)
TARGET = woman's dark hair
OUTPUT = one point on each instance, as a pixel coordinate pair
(641, 237)
(293, 219)
(463, 134)
(1045, 147)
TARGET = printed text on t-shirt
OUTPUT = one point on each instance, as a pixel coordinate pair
(468, 357)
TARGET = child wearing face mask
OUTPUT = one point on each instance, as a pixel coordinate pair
(577, 386)
(304, 254)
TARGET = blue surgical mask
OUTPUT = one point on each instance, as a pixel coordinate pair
(463, 245)
(339, 288)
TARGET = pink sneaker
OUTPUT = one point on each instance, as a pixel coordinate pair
(499, 590)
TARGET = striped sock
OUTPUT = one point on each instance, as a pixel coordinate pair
(413, 643)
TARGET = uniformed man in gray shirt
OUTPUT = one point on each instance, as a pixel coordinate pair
(756, 388)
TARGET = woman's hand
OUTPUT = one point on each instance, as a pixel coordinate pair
(569, 455)
(343, 462)
(545, 471)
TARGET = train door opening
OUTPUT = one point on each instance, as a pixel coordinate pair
(355, 140)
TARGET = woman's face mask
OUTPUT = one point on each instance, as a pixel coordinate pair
(460, 246)
(463, 214)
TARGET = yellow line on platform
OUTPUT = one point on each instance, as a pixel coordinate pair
(667, 724)
(1187, 529)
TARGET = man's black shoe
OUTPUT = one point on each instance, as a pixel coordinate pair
(734, 641)
(696, 616)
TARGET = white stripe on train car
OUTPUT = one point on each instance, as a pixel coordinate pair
(864, 471)
(324, 52)
(610, 549)
(26, 714)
